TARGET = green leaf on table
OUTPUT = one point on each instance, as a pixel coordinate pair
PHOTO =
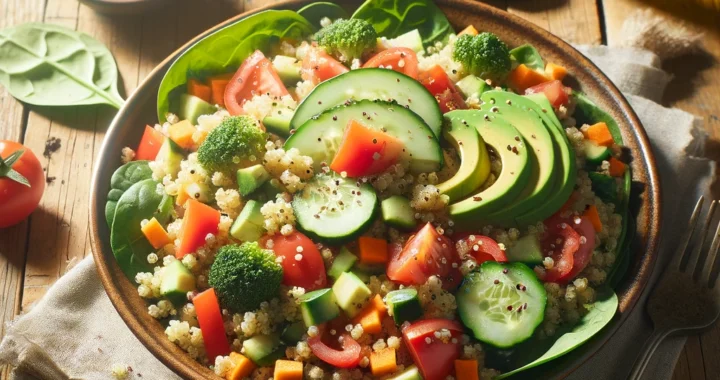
(49, 65)
(314, 12)
(122, 179)
(224, 51)
(391, 18)
(529, 56)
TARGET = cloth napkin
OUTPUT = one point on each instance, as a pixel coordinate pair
(75, 333)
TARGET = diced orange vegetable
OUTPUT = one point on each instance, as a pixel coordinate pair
(182, 196)
(592, 214)
(370, 317)
(555, 71)
(156, 234)
(243, 367)
(288, 370)
(217, 85)
(378, 304)
(199, 221)
(600, 134)
(466, 370)
(182, 133)
(617, 167)
(372, 250)
(199, 89)
(209, 316)
(383, 362)
(469, 30)
(150, 144)
(523, 77)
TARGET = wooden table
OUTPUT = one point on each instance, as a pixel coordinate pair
(34, 254)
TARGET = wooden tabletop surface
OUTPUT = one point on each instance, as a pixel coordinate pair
(34, 254)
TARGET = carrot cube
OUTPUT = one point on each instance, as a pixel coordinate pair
(555, 71)
(592, 214)
(182, 133)
(288, 370)
(600, 134)
(155, 234)
(383, 362)
(617, 167)
(466, 370)
(243, 367)
(372, 250)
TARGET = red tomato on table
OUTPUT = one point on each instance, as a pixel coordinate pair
(319, 66)
(442, 88)
(255, 76)
(554, 90)
(211, 324)
(400, 59)
(487, 248)
(150, 144)
(309, 271)
(17, 199)
(365, 151)
(435, 360)
(199, 221)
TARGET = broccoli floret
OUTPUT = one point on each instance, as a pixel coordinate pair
(244, 276)
(483, 55)
(347, 39)
(237, 141)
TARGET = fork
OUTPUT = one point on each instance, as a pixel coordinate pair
(684, 302)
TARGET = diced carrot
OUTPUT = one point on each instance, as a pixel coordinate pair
(600, 134)
(383, 362)
(378, 304)
(372, 250)
(617, 167)
(555, 71)
(182, 133)
(523, 77)
(243, 367)
(217, 85)
(466, 369)
(288, 370)
(592, 214)
(182, 196)
(156, 234)
(199, 89)
(469, 30)
(199, 221)
(370, 317)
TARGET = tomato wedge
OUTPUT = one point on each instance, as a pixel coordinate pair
(483, 248)
(319, 66)
(199, 221)
(348, 357)
(442, 88)
(211, 324)
(583, 255)
(150, 144)
(365, 151)
(427, 253)
(554, 90)
(309, 271)
(436, 359)
(560, 242)
(254, 77)
(400, 59)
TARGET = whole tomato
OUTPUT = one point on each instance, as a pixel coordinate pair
(22, 183)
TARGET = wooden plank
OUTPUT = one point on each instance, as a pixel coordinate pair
(575, 21)
(682, 371)
(693, 352)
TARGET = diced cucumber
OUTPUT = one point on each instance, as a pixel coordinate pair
(410, 373)
(288, 69)
(594, 153)
(396, 212)
(176, 282)
(472, 85)
(278, 122)
(526, 250)
(251, 178)
(293, 333)
(318, 306)
(404, 305)
(169, 157)
(411, 40)
(334, 209)
(192, 107)
(250, 224)
(342, 263)
(351, 293)
(604, 186)
(263, 350)
(502, 303)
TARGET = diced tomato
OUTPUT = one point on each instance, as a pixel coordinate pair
(436, 359)
(483, 248)
(554, 90)
(560, 242)
(347, 357)
(211, 324)
(365, 151)
(319, 66)
(309, 271)
(199, 221)
(442, 88)
(150, 144)
(583, 255)
(427, 253)
(254, 77)
(400, 59)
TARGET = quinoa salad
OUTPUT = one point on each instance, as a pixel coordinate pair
(343, 199)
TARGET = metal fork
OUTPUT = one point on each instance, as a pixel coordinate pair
(684, 301)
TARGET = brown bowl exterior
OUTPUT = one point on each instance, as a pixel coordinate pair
(126, 130)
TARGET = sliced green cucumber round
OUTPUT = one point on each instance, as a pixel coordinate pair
(321, 136)
(502, 303)
(335, 209)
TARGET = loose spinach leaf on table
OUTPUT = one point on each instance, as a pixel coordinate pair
(314, 12)
(50, 65)
(226, 49)
(124, 177)
(529, 56)
(391, 18)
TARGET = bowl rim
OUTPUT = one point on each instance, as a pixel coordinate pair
(191, 369)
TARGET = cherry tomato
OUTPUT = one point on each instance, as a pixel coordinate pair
(319, 66)
(436, 360)
(17, 200)
(583, 255)
(150, 144)
(347, 357)
(199, 221)
(560, 242)
(427, 253)
(483, 248)
(365, 151)
(309, 271)
(255, 76)
(400, 59)
(554, 90)
(211, 324)
(442, 88)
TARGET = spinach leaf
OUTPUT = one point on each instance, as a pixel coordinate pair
(141, 201)
(314, 12)
(225, 50)
(528, 55)
(624, 253)
(124, 177)
(49, 65)
(391, 18)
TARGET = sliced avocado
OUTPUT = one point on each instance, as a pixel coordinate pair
(474, 160)
(249, 225)
(396, 212)
(526, 250)
(411, 40)
(278, 122)
(192, 107)
(251, 178)
(176, 282)
(351, 293)
(472, 85)
(410, 373)
(288, 69)
(169, 156)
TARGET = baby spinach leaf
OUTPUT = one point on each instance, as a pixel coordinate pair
(391, 18)
(50, 65)
(624, 253)
(314, 12)
(528, 55)
(124, 177)
(225, 50)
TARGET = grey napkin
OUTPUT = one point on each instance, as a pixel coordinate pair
(74, 332)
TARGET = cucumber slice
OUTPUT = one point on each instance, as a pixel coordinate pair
(594, 153)
(404, 305)
(396, 212)
(263, 350)
(318, 306)
(604, 186)
(250, 224)
(321, 136)
(351, 293)
(343, 262)
(293, 332)
(410, 373)
(371, 84)
(502, 303)
(411, 40)
(176, 282)
(526, 250)
(334, 209)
